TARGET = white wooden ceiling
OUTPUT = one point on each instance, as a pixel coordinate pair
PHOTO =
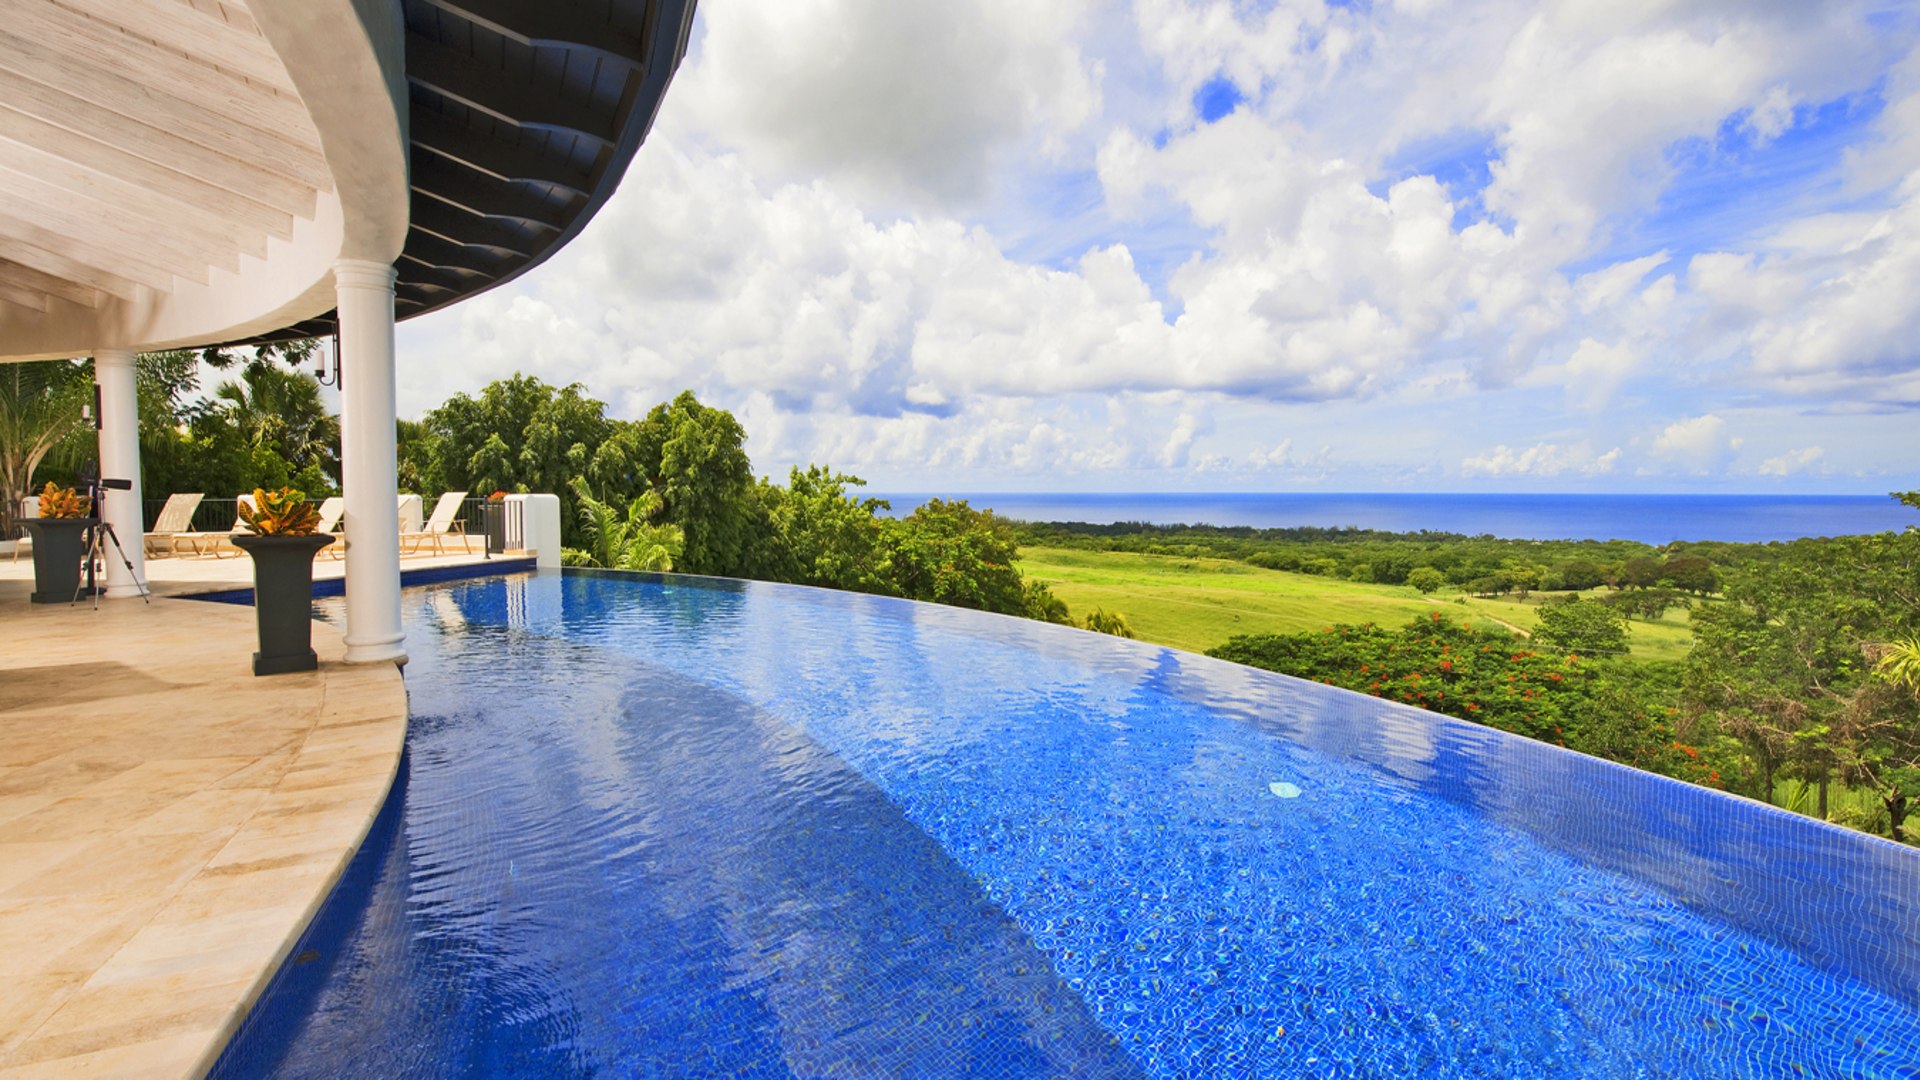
(143, 141)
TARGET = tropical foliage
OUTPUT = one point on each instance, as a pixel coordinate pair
(1600, 707)
(629, 542)
(1102, 621)
(63, 502)
(281, 512)
(1803, 677)
(40, 406)
(266, 427)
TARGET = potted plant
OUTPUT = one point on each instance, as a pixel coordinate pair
(60, 536)
(283, 541)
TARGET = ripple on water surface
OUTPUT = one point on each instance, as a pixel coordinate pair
(758, 831)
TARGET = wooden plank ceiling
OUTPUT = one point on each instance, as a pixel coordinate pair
(142, 142)
(523, 116)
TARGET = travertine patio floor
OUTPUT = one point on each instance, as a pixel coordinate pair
(168, 822)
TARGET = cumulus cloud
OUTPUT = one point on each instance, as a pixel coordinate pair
(1594, 373)
(830, 229)
(1700, 444)
(1791, 462)
(1541, 460)
(914, 100)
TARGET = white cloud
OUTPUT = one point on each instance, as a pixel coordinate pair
(1773, 116)
(1541, 460)
(898, 99)
(839, 226)
(1700, 444)
(1791, 462)
(1594, 373)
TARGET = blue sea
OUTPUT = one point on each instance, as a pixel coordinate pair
(1650, 519)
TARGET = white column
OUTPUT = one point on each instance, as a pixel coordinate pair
(120, 460)
(364, 294)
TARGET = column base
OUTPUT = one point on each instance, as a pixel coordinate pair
(381, 651)
(119, 590)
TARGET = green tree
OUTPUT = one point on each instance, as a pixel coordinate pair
(1691, 573)
(1102, 621)
(695, 456)
(1579, 625)
(290, 438)
(1880, 733)
(519, 435)
(1642, 572)
(1648, 604)
(823, 536)
(1426, 580)
(267, 427)
(1577, 575)
(1491, 677)
(950, 553)
(40, 406)
(1778, 663)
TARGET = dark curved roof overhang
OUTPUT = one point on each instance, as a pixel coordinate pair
(524, 115)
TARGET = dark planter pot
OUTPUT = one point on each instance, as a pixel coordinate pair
(493, 519)
(283, 599)
(58, 546)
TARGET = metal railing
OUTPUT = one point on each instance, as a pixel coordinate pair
(219, 515)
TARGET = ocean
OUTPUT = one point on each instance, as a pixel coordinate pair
(1651, 519)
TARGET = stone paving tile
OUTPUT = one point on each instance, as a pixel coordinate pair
(168, 823)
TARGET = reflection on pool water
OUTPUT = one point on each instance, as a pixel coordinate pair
(648, 826)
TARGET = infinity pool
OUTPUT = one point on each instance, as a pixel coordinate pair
(657, 827)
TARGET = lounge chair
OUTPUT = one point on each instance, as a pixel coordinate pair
(175, 518)
(330, 510)
(445, 522)
(217, 544)
(29, 508)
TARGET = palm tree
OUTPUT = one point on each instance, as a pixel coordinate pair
(1900, 664)
(40, 405)
(624, 544)
(1893, 768)
(280, 410)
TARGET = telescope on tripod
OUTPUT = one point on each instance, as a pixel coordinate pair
(101, 533)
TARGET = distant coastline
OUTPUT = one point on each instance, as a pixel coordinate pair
(1651, 519)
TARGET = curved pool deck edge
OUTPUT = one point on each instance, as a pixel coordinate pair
(169, 824)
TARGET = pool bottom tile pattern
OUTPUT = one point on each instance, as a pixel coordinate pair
(657, 829)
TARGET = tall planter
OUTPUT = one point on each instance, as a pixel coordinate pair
(58, 545)
(283, 599)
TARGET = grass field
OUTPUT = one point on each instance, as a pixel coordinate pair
(1199, 603)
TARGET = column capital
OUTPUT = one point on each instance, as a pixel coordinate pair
(363, 274)
(115, 357)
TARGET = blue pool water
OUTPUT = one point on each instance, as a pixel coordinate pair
(718, 829)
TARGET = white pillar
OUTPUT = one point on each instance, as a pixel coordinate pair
(364, 294)
(120, 460)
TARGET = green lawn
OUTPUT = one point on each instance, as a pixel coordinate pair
(1199, 603)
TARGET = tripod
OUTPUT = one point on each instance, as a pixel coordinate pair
(99, 535)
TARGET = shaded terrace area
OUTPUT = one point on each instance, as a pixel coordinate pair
(170, 823)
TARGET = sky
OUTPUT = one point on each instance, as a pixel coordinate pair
(1165, 245)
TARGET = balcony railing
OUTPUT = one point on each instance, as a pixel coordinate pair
(219, 515)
